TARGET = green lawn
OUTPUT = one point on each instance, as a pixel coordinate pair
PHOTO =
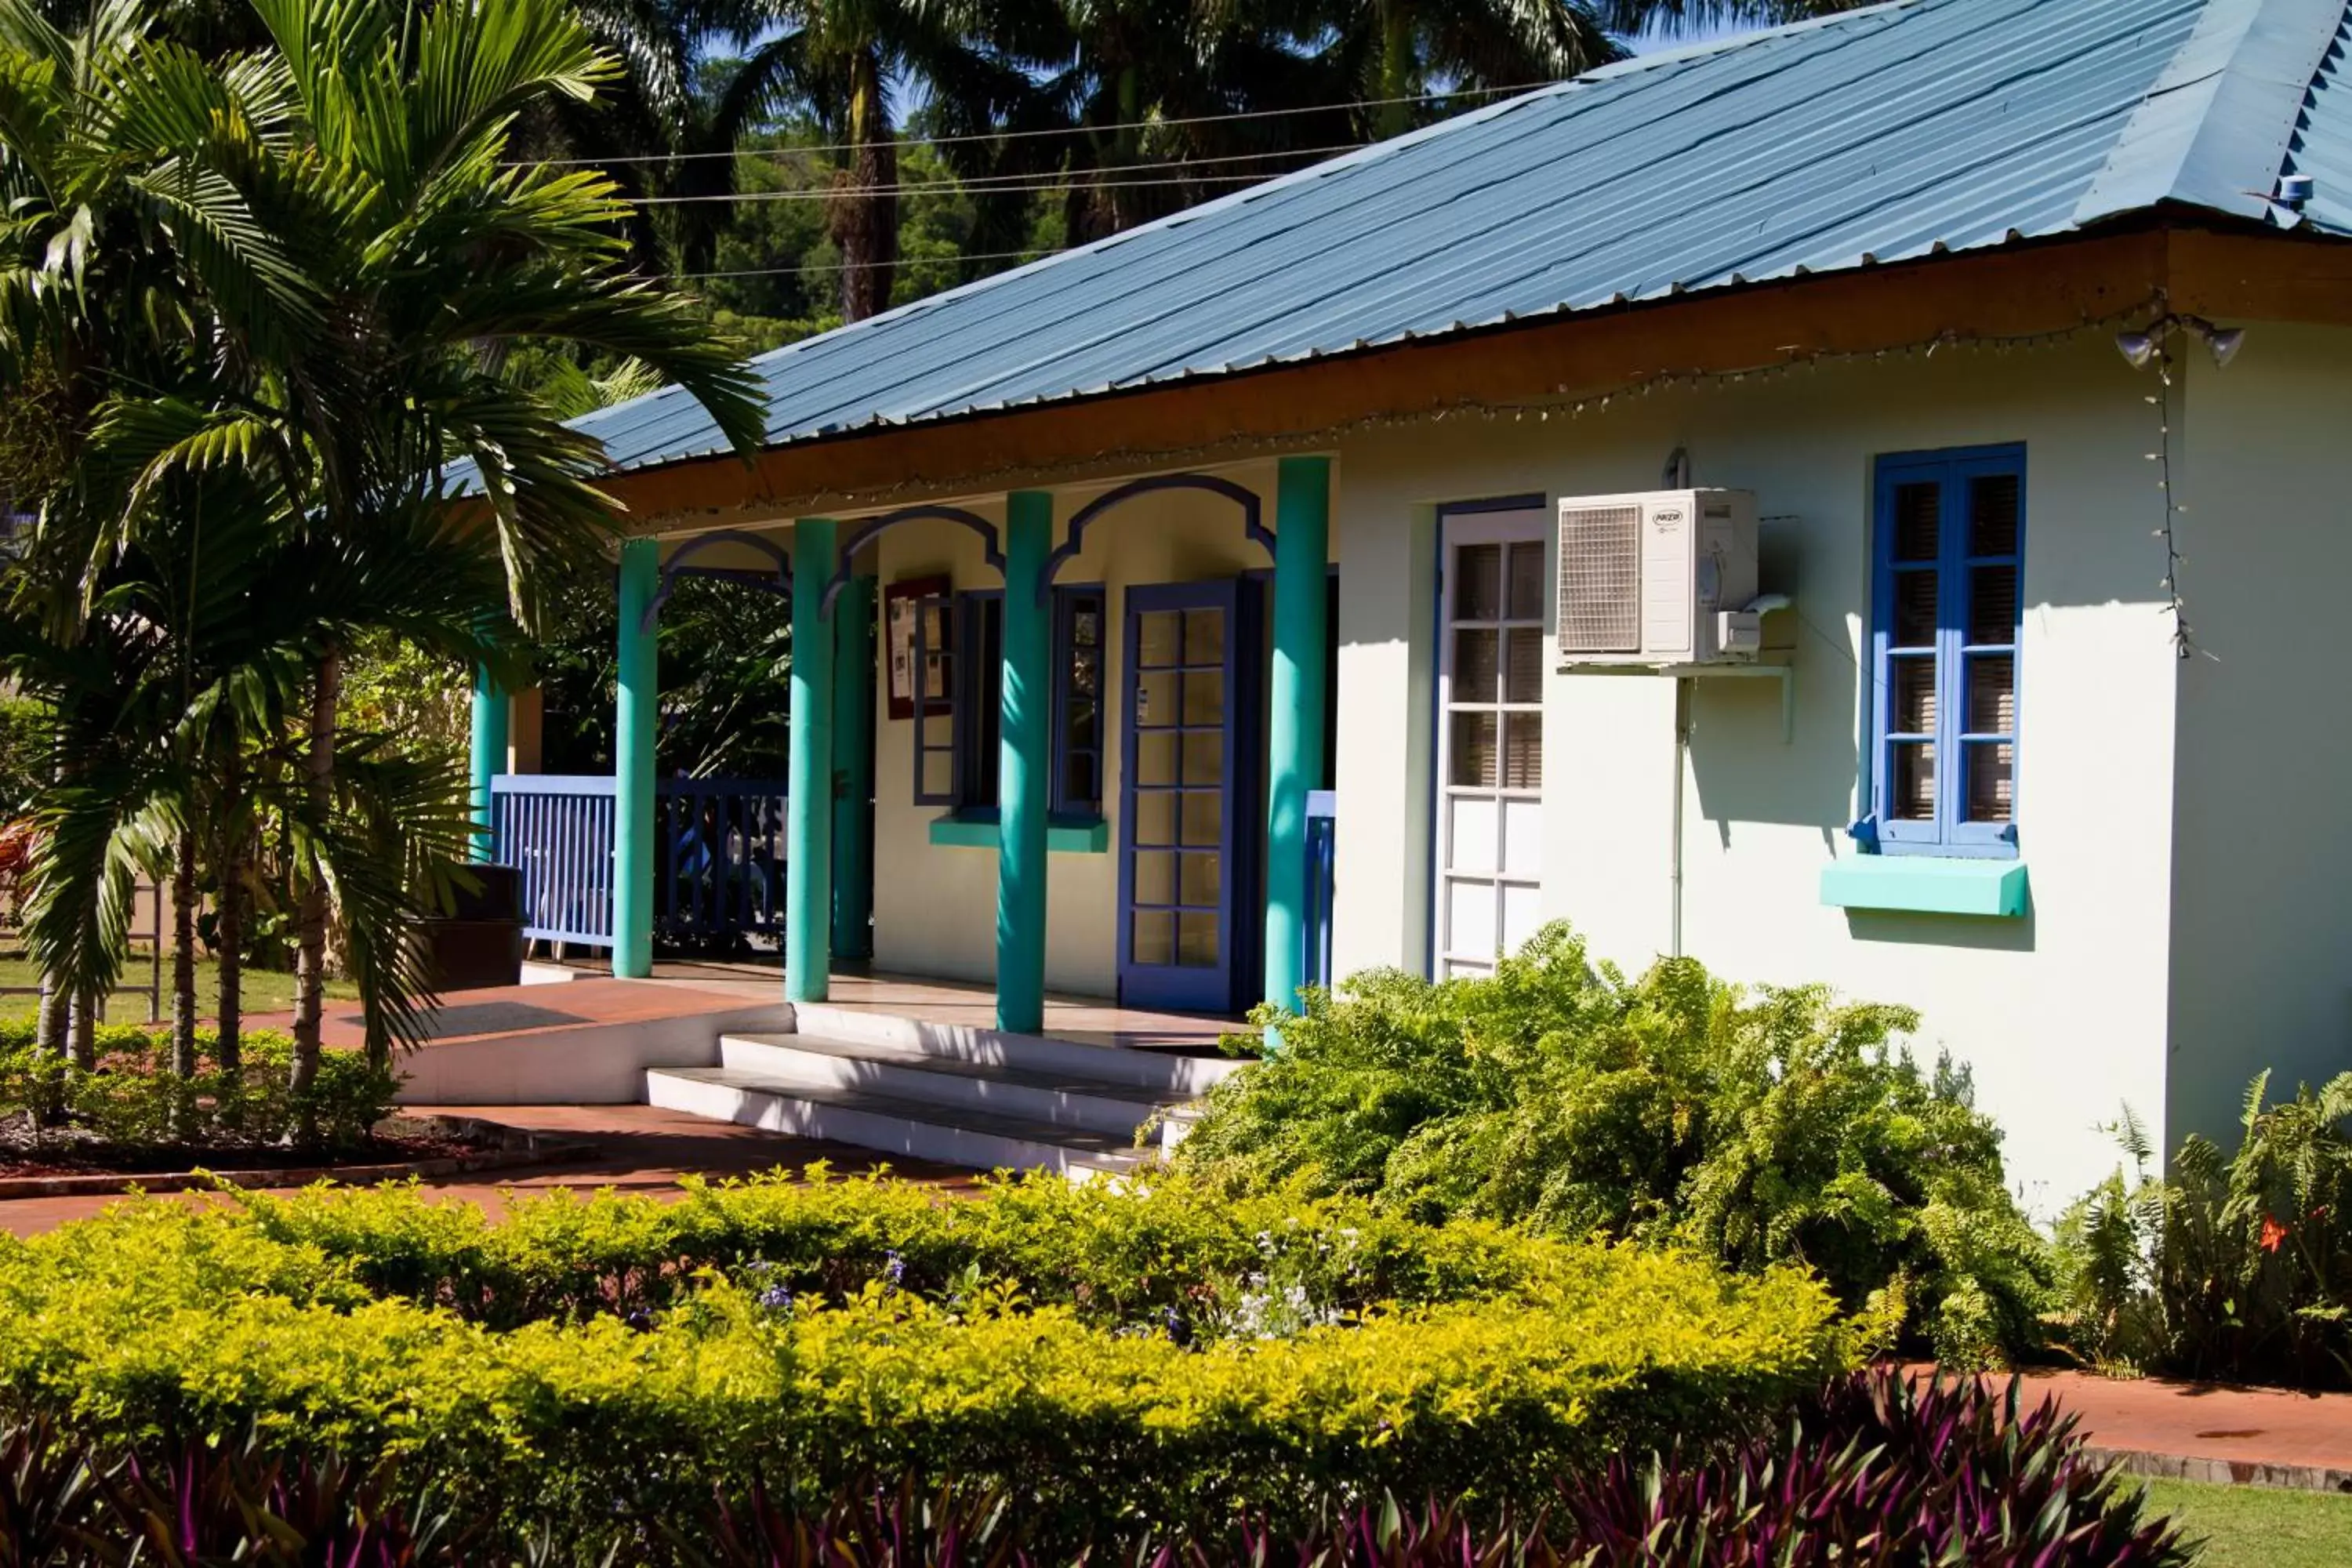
(2260, 1527)
(265, 991)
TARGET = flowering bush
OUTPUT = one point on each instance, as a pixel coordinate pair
(2234, 1267)
(1762, 1126)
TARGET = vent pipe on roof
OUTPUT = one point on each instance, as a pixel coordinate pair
(2294, 191)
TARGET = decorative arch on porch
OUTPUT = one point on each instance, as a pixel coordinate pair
(1242, 496)
(873, 528)
(780, 583)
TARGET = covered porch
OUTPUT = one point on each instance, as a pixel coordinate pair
(1059, 755)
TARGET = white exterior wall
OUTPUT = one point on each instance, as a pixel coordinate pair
(2261, 896)
(935, 906)
(2062, 1015)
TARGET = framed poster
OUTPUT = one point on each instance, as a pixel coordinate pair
(901, 601)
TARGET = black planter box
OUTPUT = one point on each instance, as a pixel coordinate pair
(480, 944)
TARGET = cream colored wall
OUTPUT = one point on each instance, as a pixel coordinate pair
(2061, 1015)
(2262, 900)
(935, 907)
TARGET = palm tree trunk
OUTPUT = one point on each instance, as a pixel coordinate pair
(184, 982)
(1399, 70)
(81, 1032)
(49, 1045)
(310, 961)
(228, 915)
(866, 221)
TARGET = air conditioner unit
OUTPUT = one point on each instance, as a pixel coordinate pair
(1657, 578)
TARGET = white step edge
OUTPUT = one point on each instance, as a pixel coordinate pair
(1182, 1075)
(1064, 1099)
(907, 1128)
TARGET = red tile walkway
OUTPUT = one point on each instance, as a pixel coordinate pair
(638, 1149)
(2207, 1433)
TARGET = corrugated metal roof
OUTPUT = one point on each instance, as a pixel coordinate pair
(1872, 136)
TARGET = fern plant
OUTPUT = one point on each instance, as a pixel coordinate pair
(2234, 1266)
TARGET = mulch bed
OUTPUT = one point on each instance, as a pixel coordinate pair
(61, 1163)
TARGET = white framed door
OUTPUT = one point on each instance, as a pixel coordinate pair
(1490, 754)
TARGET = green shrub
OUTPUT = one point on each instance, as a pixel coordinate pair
(657, 1353)
(132, 1100)
(2237, 1267)
(1762, 1126)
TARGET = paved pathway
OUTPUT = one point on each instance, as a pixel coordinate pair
(2206, 1433)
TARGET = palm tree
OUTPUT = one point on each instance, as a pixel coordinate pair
(1394, 51)
(342, 224)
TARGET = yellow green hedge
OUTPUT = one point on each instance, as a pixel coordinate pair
(1037, 1336)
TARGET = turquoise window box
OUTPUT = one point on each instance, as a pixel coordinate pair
(1061, 838)
(1926, 885)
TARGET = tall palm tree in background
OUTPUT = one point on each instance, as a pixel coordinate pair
(1393, 52)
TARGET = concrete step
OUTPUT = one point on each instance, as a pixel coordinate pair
(1062, 1098)
(923, 1130)
(1175, 1075)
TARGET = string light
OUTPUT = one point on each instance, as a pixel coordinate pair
(1238, 448)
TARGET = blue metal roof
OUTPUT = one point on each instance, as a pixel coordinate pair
(1872, 136)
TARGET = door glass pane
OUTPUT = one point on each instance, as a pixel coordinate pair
(1470, 918)
(1523, 838)
(1205, 757)
(1155, 758)
(1204, 697)
(1475, 665)
(939, 775)
(1155, 937)
(1155, 701)
(1157, 642)
(1477, 824)
(1155, 878)
(1523, 678)
(1478, 584)
(1992, 766)
(1522, 915)
(1915, 520)
(1473, 755)
(1204, 637)
(1204, 819)
(1523, 750)
(1914, 782)
(1527, 582)
(1155, 818)
(1196, 939)
(1203, 876)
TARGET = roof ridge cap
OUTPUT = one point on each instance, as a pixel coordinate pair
(2214, 128)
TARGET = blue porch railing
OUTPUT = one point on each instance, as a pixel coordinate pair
(720, 847)
(1322, 862)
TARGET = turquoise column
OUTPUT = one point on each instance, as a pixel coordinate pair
(636, 722)
(489, 755)
(1021, 775)
(1302, 546)
(853, 770)
(808, 803)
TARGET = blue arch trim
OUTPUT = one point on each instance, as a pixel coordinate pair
(865, 532)
(1252, 510)
(780, 583)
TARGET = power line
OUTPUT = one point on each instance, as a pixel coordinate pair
(1033, 254)
(1026, 185)
(1019, 135)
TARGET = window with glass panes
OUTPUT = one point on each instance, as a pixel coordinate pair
(1490, 741)
(1077, 701)
(958, 708)
(1947, 610)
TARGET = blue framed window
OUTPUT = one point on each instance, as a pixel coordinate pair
(959, 709)
(1078, 667)
(1947, 600)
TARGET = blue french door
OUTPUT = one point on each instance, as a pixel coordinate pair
(1186, 873)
